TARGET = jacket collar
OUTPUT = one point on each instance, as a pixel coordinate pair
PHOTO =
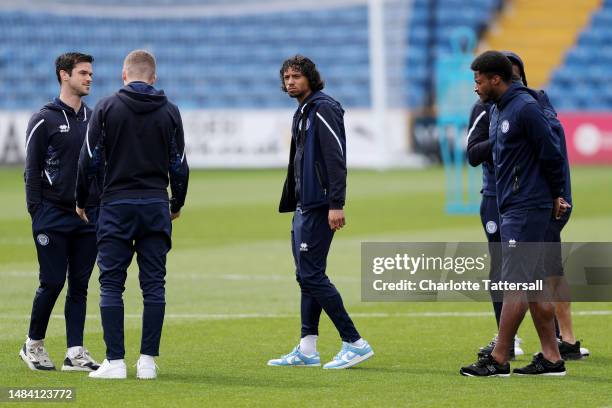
(510, 93)
(309, 99)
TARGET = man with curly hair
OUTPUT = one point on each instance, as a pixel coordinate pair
(315, 191)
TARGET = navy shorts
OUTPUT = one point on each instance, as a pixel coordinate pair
(553, 259)
(522, 234)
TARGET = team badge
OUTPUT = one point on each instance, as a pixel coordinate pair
(505, 126)
(42, 239)
(491, 227)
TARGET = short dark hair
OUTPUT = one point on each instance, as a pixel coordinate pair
(307, 68)
(492, 63)
(67, 62)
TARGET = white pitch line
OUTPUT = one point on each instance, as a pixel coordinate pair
(232, 277)
(230, 316)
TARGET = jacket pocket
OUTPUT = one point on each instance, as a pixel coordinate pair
(51, 171)
(36, 215)
(516, 173)
(319, 177)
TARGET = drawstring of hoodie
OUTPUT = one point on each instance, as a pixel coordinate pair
(66, 117)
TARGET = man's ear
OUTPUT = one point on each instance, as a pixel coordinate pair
(64, 75)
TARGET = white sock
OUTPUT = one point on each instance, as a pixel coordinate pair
(30, 342)
(116, 362)
(308, 344)
(73, 351)
(359, 343)
(150, 360)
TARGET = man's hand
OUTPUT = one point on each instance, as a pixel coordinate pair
(81, 213)
(336, 219)
(560, 207)
(174, 216)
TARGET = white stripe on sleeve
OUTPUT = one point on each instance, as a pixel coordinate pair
(475, 123)
(332, 131)
(48, 177)
(40, 122)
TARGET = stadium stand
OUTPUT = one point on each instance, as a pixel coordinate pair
(582, 82)
(199, 68)
(212, 62)
(431, 26)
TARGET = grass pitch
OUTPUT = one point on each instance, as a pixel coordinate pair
(233, 303)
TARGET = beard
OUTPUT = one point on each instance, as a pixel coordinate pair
(80, 91)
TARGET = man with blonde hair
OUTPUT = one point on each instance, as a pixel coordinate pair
(138, 134)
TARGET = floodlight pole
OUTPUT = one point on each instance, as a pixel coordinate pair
(378, 79)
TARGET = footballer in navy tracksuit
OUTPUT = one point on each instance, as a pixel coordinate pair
(317, 182)
(530, 181)
(479, 152)
(315, 190)
(66, 246)
(140, 133)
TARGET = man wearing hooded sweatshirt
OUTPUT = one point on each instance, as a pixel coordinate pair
(530, 182)
(66, 246)
(480, 152)
(140, 134)
(315, 191)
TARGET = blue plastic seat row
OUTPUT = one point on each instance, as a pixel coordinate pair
(582, 82)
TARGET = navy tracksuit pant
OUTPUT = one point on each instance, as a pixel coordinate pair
(489, 216)
(311, 238)
(66, 249)
(122, 230)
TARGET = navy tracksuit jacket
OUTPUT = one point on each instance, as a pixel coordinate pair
(65, 245)
(137, 136)
(529, 174)
(316, 183)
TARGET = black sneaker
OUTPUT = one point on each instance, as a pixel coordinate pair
(488, 349)
(570, 351)
(486, 367)
(541, 366)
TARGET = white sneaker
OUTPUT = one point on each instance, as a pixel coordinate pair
(518, 351)
(81, 362)
(146, 369)
(115, 370)
(34, 354)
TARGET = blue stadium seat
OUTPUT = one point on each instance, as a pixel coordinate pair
(229, 61)
(582, 82)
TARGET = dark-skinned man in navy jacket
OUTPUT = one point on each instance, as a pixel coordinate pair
(530, 182)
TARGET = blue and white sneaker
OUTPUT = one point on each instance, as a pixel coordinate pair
(296, 359)
(350, 355)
